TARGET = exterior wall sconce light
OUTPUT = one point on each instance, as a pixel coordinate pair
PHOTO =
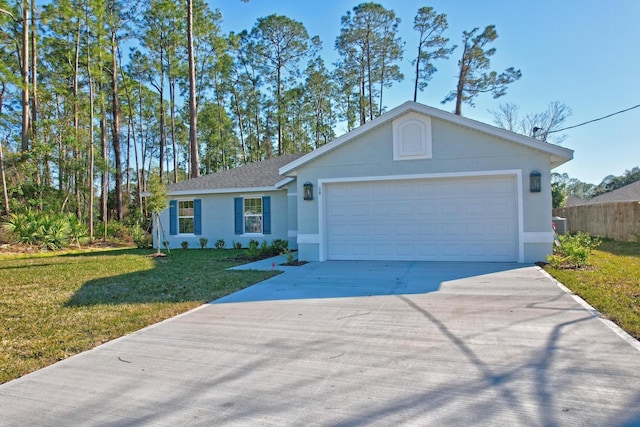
(308, 191)
(535, 182)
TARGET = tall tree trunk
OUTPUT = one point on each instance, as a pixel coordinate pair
(462, 77)
(415, 83)
(34, 73)
(279, 110)
(143, 153)
(104, 175)
(90, 145)
(5, 194)
(91, 149)
(162, 125)
(24, 70)
(193, 108)
(172, 107)
(76, 120)
(132, 132)
(240, 127)
(115, 105)
(363, 94)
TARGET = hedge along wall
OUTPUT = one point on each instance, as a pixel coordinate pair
(618, 220)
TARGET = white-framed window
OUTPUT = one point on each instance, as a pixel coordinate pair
(186, 222)
(253, 215)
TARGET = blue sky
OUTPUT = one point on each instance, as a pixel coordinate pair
(584, 53)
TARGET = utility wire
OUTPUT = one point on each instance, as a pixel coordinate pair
(595, 120)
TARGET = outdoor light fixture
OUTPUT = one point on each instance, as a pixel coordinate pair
(535, 182)
(308, 191)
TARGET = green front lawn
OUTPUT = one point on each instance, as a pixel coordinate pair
(611, 284)
(55, 305)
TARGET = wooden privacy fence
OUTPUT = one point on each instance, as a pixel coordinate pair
(615, 220)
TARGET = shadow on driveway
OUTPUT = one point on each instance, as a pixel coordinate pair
(338, 279)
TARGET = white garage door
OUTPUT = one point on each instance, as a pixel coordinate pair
(453, 219)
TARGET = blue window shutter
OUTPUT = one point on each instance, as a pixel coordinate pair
(266, 215)
(173, 217)
(197, 216)
(238, 214)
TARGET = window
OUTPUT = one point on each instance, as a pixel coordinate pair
(253, 215)
(186, 223)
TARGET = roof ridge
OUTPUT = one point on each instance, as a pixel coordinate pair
(259, 174)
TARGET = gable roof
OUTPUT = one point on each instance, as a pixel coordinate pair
(257, 176)
(559, 155)
(574, 201)
(628, 193)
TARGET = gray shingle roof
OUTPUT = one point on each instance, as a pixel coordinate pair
(253, 175)
(628, 193)
(575, 201)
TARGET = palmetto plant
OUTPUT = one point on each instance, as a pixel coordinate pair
(78, 231)
(49, 231)
(54, 231)
(24, 226)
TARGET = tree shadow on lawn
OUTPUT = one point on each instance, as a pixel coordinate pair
(175, 279)
(620, 248)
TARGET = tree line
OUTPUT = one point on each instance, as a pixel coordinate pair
(98, 95)
(564, 186)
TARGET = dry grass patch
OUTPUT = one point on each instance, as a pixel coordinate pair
(55, 305)
(611, 285)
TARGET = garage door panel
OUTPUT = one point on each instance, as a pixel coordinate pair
(404, 229)
(427, 230)
(471, 219)
(450, 208)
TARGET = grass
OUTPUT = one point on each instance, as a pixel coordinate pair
(611, 284)
(55, 305)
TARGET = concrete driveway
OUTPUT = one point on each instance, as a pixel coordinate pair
(350, 344)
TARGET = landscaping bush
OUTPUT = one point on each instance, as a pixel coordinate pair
(48, 231)
(203, 242)
(257, 250)
(237, 245)
(184, 244)
(574, 250)
(253, 251)
(265, 249)
(279, 246)
(141, 238)
(220, 244)
(117, 231)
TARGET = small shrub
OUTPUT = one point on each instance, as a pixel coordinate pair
(78, 232)
(288, 255)
(144, 241)
(253, 251)
(184, 244)
(141, 238)
(237, 245)
(220, 244)
(279, 246)
(574, 250)
(265, 249)
(203, 242)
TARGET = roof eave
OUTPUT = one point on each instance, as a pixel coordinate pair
(559, 155)
(196, 192)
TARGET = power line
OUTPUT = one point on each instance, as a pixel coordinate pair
(595, 120)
